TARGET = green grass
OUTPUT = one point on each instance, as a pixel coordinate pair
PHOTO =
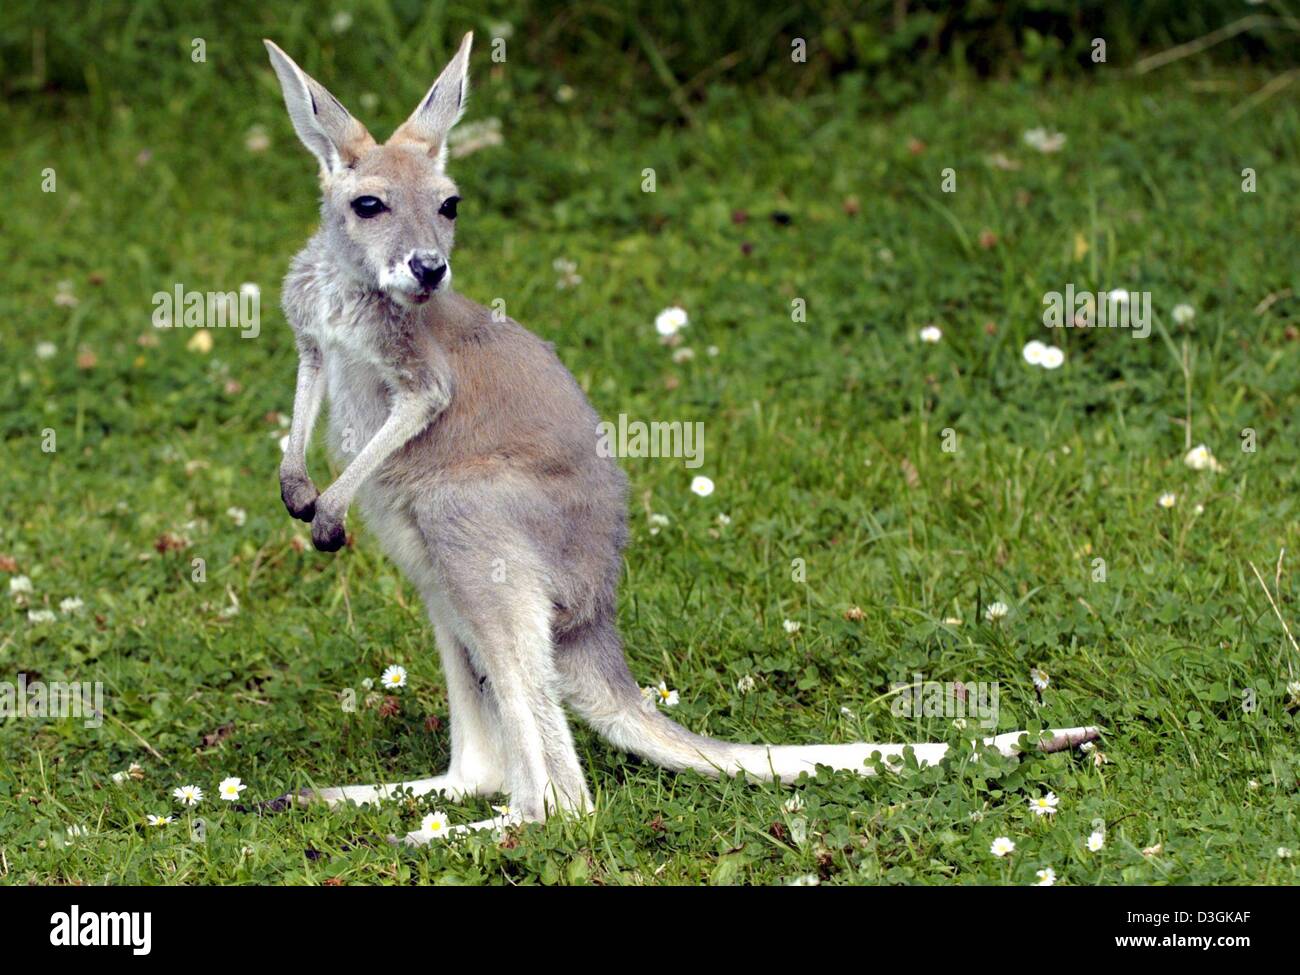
(812, 432)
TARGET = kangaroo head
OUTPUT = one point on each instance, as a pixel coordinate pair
(388, 211)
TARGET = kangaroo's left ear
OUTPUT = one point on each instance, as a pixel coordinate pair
(441, 108)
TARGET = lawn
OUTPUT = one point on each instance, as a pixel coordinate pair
(826, 439)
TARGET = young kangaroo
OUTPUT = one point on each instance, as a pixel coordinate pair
(473, 455)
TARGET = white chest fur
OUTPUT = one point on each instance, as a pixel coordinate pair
(357, 380)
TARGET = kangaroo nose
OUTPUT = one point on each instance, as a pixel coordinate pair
(428, 271)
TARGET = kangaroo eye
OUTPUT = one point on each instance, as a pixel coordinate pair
(448, 208)
(368, 206)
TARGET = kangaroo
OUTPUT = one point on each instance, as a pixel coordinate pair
(472, 453)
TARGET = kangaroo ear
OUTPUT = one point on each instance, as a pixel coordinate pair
(322, 123)
(441, 108)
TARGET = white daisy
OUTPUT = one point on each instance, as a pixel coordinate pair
(1033, 352)
(256, 139)
(664, 696)
(436, 825)
(1167, 500)
(996, 611)
(188, 795)
(1117, 296)
(670, 321)
(46, 350)
(791, 626)
(158, 820)
(931, 334)
(230, 788)
(1002, 846)
(1044, 141)
(1096, 840)
(393, 677)
(1182, 314)
(702, 486)
(1044, 805)
(1046, 877)
(1040, 677)
(1052, 358)
(1199, 458)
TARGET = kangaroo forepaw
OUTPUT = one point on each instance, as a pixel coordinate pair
(299, 497)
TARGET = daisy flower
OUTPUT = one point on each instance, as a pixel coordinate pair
(158, 820)
(664, 696)
(1044, 141)
(46, 350)
(1096, 840)
(1040, 677)
(436, 825)
(1044, 805)
(1046, 877)
(931, 334)
(1002, 846)
(1052, 358)
(393, 677)
(188, 795)
(702, 486)
(1033, 352)
(670, 321)
(1199, 458)
(1167, 500)
(230, 788)
(996, 611)
(1182, 314)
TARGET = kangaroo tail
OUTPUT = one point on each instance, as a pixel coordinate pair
(598, 685)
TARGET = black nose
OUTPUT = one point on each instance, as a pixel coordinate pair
(427, 274)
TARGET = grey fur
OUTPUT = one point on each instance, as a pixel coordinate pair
(472, 452)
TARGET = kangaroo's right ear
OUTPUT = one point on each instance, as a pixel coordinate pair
(322, 123)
